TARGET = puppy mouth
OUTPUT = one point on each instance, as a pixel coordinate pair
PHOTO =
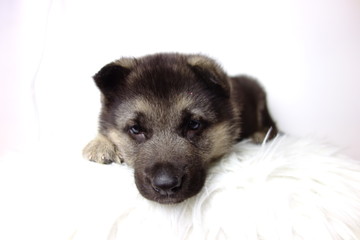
(169, 199)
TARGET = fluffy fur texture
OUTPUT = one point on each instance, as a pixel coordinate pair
(287, 188)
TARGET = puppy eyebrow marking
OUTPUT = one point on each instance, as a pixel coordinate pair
(141, 105)
(189, 103)
(137, 117)
(182, 101)
(197, 112)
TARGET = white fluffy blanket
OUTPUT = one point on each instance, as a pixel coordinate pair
(288, 188)
(285, 189)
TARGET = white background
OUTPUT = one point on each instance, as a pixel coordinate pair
(305, 52)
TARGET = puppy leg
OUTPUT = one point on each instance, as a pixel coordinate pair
(266, 126)
(101, 150)
(255, 120)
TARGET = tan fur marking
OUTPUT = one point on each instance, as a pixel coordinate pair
(258, 137)
(126, 62)
(197, 60)
(182, 102)
(142, 105)
(222, 140)
(121, 143)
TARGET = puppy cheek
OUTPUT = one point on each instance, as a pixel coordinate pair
(194, 175)
(127, 151)
(143, 180)
(196, 181)
(221, 139)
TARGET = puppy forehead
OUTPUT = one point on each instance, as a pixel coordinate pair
(161, 110)
(171, 107)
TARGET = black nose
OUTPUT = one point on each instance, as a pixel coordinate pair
(166, 183)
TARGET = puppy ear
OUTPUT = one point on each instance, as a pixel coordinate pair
(112, 75)
(211, 72)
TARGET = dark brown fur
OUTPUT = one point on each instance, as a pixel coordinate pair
(169, 116)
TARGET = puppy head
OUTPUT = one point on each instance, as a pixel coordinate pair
(169, 115)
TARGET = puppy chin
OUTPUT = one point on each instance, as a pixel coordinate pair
(166, 199)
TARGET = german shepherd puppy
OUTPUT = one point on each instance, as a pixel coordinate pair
(169, 116)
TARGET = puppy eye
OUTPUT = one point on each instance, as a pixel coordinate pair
(135, 129)
(194, 125)
(137, 133)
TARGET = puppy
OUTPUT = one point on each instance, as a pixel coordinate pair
(169, 116)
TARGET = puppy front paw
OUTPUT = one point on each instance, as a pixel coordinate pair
(101, 150)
